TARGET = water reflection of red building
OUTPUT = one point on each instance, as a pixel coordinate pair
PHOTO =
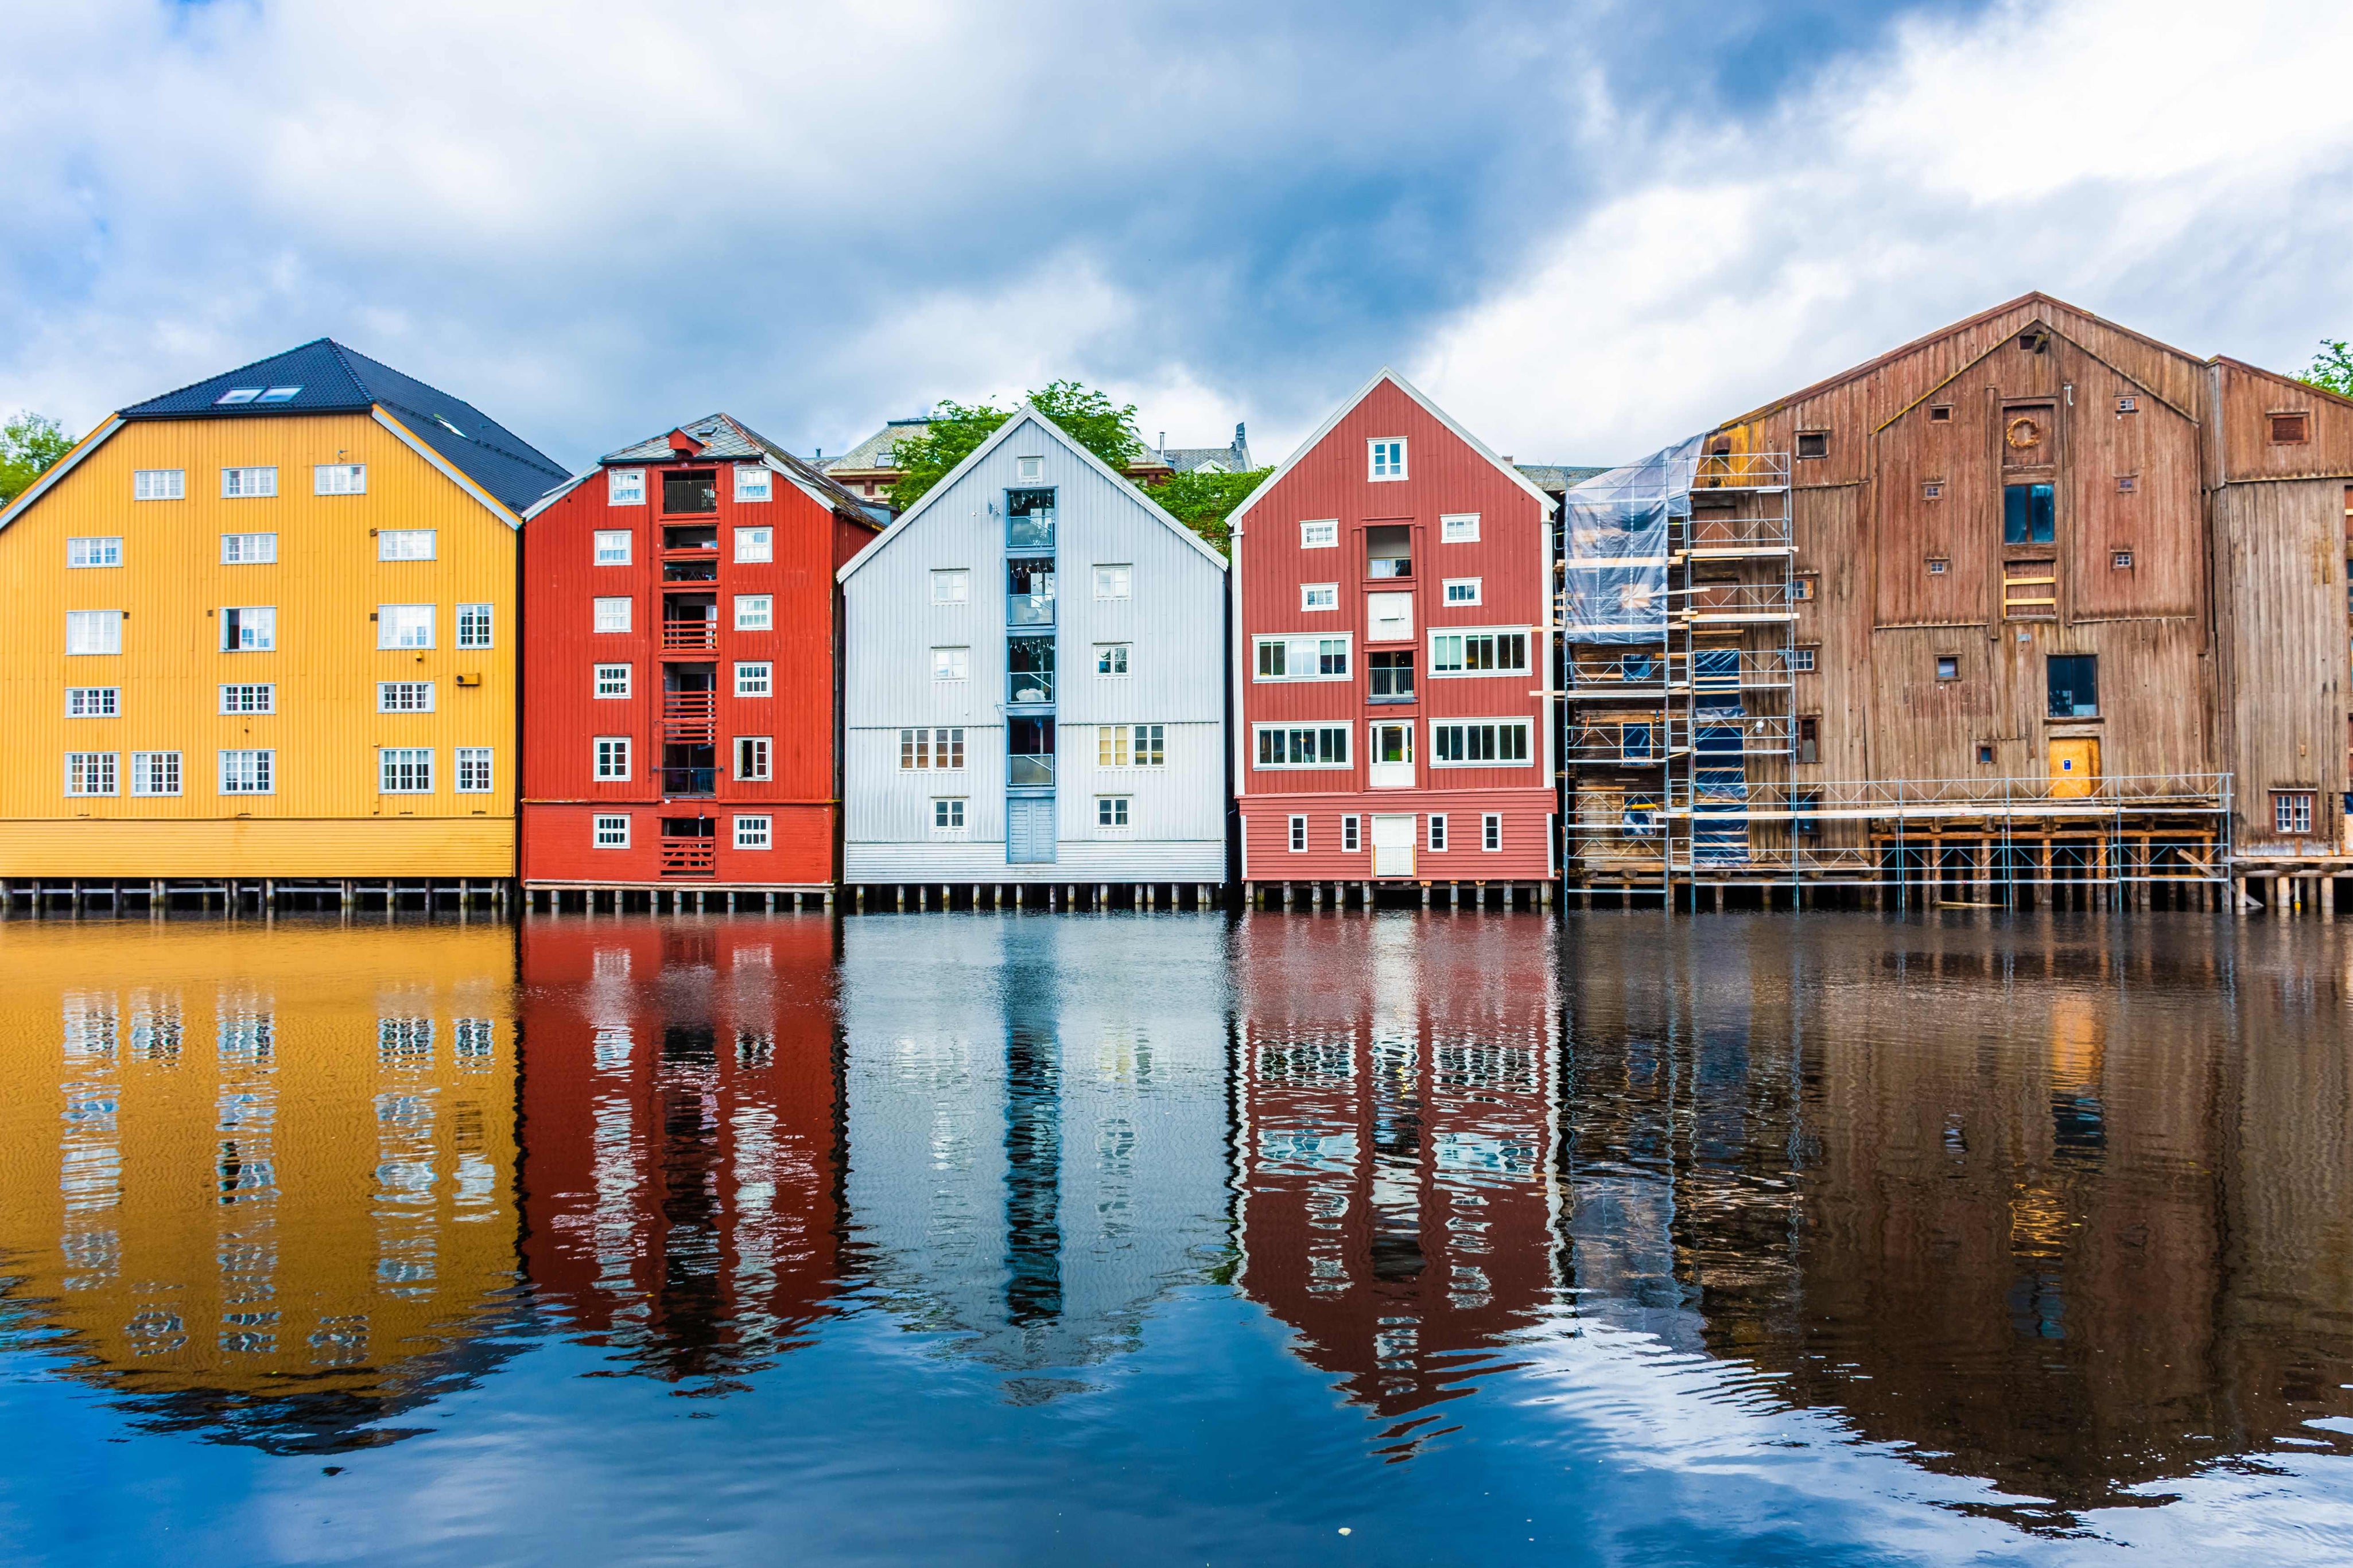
(1396, 1092)
(682, 1098)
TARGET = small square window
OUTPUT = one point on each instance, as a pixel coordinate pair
(2291, 812)
(613, 546)
(951, 663)
(1319, 595)
(1298, 834)
(473, 625)
(1112, 582)
(1387, 456)
(947, 815)
(612, 614)
(755, 612)
(612, 754)
(953, 586)
(1111, 811)
(1028, 470)
(405, 770)
(2291, 429)
(2127, 404)
(1110, 658)
(1803, 588)
(612, 680)
(1938, 565)
(1948, 667)
(1813, 443)
(1932, 489)
(755, 544)
(1985, 756)
(1324, 536)
(1436, 830)
(1801, 659)
(612, 833)
(2120, 561)
(754, 679)
(755, 483)
(473, 769)
(753, 832)
(625, 487)
(1940, 414)
(752, 758)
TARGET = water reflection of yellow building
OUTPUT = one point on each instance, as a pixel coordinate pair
(263, 1177)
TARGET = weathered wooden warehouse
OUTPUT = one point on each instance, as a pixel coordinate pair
(1032, 686)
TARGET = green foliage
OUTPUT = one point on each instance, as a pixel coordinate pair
(2331, 368)
(30, 445)
(1203, 503)
(1104, 427)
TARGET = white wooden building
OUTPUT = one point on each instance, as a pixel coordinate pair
(1033, 679)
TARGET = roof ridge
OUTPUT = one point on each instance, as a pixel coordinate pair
(532, 459)
(221, 374)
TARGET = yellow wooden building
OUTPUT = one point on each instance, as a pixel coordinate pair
(266, 629)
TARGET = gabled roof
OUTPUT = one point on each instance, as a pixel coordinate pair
(1025, 415)
(1233, 459)
(1555, 479)
(324, 377)
(867, 454)
(723, 439)
(1435, 412)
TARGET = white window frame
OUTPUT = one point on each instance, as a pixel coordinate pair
(1385, 458)
(2293, 812)
(755, 544)
(613, 547)
(1352, 834)
(1447, 591)
(609, 830)
(1459, 528)
(602, 752)
(959, 815)
(1440, 635)
(603, 675)
(1318, 596)
(108, 622)
(756, 832)
(1122, 811)
(959, 578)
(386, 690)
(1114, 580)
(1296, 644)
(604, 611)
(1118, 654)
(755, 758)
(952, 663)
(146, 765)
(403, 543)
(259, 620)
(265, 769)
(249, 550)
(388, 623)
(236, 696)
(755, 612)
(755, 678)
(475, 626)
(418, 758)
(339, 478)
(1028, 470)
(1297, 837)
(94, 774)
(1258, 747)
(159, 484)
(248, 484)
(1323, 534)
(1436, 834)
(755, 483)
(1518, 721)
(625, 487)
(95, 551)
(1490, 831)
(94, 701)
(474, 771)
(917, 746)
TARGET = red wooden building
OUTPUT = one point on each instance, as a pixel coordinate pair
(679, 725)
(1392, 636)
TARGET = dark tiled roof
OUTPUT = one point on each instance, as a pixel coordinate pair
(727, 440)
(867, 454)
(328, 378)
(1234, 458)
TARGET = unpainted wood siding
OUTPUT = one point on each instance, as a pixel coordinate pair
(2279, 568)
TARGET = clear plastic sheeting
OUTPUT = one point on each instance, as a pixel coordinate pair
(1617, 526)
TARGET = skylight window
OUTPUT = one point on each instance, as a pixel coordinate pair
(278, 394)
(450, 427)
(238, 395)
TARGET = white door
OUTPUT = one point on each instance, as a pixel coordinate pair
(1393, 838)
(1392, 757)
(1388, 617)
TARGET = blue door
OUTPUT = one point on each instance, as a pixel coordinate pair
(1030, 830)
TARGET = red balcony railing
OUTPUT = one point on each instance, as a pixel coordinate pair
(690, 857)
(690, 716)
(690, 633)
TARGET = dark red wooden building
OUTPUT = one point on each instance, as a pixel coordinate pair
(679, 725)
(1392, 636)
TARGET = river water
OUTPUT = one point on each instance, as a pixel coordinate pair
(1444, 1238)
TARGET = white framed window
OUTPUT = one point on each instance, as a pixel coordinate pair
(155, 773)
(1150, 745)
(247, 484)
(1131, 746)
(1462, 590)
(613, 546)
(91, 772)
(612, 614)
(1321, 535)
(1114, 581)
(755, 612)
(1479, 742)
(755, 543)
(1491, 830)
(1438, 830)
(159, 484)
(1385, 458)
(612, 681)
(473, 625)
(249, 628)
(752, 758)
(404, 544)
(1111, 657)
(2291, 811)
(951, 663)
(1298, 836)
(753, 832)
(405, 770)
(947, 817)
(1319, 595)
(404, 625)
(931, 749)
(1310, 658)
(93, 631)
(105, 551)
(1029, 469)
(610, 832)
(625, 487)
(1110, 813)
(952, 585)
(473, 769)
(1351, 833)
(612, 755)
(1301, 745)
(249, 773)
(93, 701)
(403, 697)
(754, 679)
(1459, 528)
(1503, 651)
(339, 480)
(256, 697)
(755, 483)
(248, 549)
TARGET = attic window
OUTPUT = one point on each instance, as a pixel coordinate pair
(2121, 561)
(2034, 343)
(2127, 404)
(886, 458)
(2290, 429)
(1813, 443)
(2127, 483)
(278, 394)
(236, 395)
(1941, 413)
(1933, 490)
(1938, 565)
(1029, 468)
(1948, 667)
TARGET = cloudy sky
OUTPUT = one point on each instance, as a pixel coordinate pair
(1588, 226)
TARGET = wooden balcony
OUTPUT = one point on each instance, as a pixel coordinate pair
(690, 857)
(688, 636)
(690, 717)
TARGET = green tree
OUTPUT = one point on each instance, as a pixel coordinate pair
(1104, 427)
(2331, 368)
(1203, 503)
(30, 446)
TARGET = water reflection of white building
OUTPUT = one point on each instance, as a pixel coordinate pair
(1037, 1125)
